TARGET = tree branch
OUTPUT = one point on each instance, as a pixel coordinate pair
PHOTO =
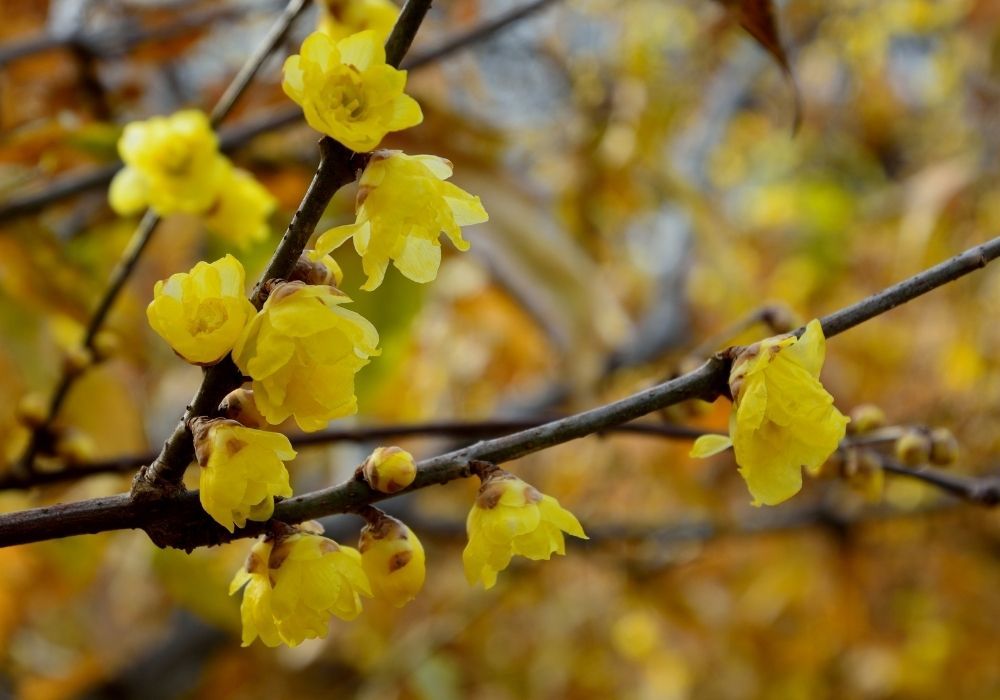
(144, 233)
(984, 491)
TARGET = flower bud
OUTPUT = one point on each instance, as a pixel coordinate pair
(313, 269)
(389, 469)
(238, 405)
(393, 559)
(944, 447)
(75, 447)
(866, 418)
(867, 478)
(77, 359)
(106, 344)
(31, 410)
(913, 448)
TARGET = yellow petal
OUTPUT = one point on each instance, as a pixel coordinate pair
(708, 445)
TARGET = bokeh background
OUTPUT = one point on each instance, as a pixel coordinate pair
(646, 190)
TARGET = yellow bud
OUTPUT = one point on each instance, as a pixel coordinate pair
(913, 448)
(77, 359)
(867, 477)
(240, 407)
(393, 559)
(389, 469)
(106, 344)
(313, 268)
(944, 447)
(75, 447)
(31, 410)
(866, 418)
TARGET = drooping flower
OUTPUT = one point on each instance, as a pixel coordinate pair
(242, 470)
(201, 313)
(302, 351)
(340, 18)
(172, 164)
(403, 206)
(393, 558)
(389, 469)
(241, 210)
(512, 517)
(347, 91)
(295, 584)
(783, 419)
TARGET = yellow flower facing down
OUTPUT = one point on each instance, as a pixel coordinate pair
(347, 91)
(393, 559)
(512, 517)
(172, 164)
(241, 211)
(202, 313)
(404, 204)
(302, 351)
(340, 18)
(295, 585)
(242, 470)
(783, 419)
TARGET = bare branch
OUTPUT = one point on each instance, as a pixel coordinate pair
(982, 490)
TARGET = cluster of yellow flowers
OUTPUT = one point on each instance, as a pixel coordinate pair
(783, 419)
(173, 164)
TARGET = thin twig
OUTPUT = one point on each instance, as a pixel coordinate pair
(240, 134)
(468, 430)
(144, 233)
(984, 490)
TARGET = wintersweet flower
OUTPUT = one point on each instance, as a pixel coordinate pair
(389, 469)
(241, 211)
(242, 470)
(403, 206)
(783, 419)
(201, 313)
(347, 91)
(512, 517)
(294, 585)
(172, 164)
(341, 18)
(302, 351)
(393, 559)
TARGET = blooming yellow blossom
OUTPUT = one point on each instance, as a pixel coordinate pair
(295, 585)
(393, 559)
(403, 206)
(302, 351)
(201, 313)
(341, 18)
(172, 164)
(241, 210)
(511, 517)
(389, 469)
(347, 91)
(242, 470)
(783, 419)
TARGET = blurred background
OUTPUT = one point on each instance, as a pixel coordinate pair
(647, 190)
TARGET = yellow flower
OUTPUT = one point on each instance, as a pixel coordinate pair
(302, 351)
(783, 418)
(201, 313)
(404, 204)
(393, 559)
(242, 470)
(389, 469)
(347, 91)
(171, 164)
(241, 210)
(511, 517)
(341, 18)
(295, 585)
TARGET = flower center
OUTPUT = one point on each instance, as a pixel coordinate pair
(345, 94)
(208, 317)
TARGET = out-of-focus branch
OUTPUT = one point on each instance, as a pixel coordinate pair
(240, 134)
(984, 490)
(144, 232)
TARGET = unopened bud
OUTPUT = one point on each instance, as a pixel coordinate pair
(913, 448)
(239, 405)
(77, 359)
(389, 469)
(868, 478)
(866, 418)
(106, 344)
(31, 410)
(944, 447)
(317, 270)
(75, 447)
(392, 557)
